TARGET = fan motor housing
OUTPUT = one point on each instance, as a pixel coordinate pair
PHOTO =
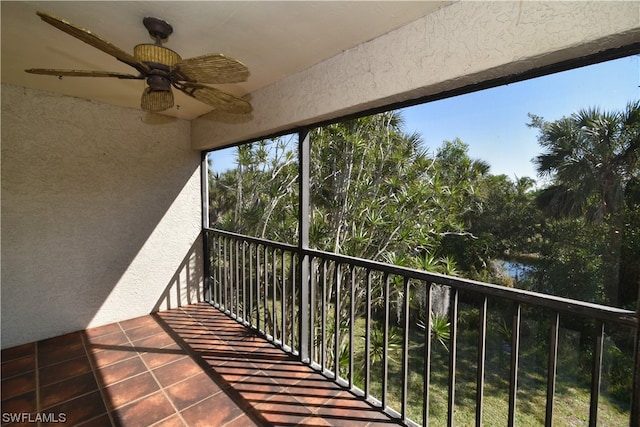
(158, 82)
(161, 60)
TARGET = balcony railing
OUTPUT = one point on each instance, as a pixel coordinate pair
(386, 332)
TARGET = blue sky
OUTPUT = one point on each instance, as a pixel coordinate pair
(494, 121)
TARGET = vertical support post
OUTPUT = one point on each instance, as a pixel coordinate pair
(304, 201)
(206, 244)
(596, 374)
(635, 392)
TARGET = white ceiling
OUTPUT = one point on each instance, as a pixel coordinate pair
(273, 38)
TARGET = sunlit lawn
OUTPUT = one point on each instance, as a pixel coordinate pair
(571, 402)
(572, 396)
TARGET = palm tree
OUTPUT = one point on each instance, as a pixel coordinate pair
(591, 157)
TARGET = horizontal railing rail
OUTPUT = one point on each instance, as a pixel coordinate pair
(362, 312)
(582, 308)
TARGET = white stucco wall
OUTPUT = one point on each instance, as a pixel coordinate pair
(100, 214)
(461, 44)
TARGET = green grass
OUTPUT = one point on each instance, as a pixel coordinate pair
(572, 397)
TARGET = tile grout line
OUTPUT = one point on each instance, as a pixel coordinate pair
(250, 407)
(94, 371)
(190, 354)
(243, 414)
(210, 329)
(39, 403)
(314, 412)
(194, 353)
(153, 375)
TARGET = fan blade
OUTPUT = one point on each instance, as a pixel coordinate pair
(81, 73)
(156, 100)
(93, 40)
(216, 98)
(215, 68)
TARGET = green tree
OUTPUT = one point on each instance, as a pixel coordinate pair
(368, 188)
(507, 226)
(591, 158)
(260, 196)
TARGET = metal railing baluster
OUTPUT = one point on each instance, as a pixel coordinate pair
(385, 345)
(226, 276)
(482, 341)
(265, 290)
(258, 296)
(552, 366)
(229, 281)
(337, 278)
(367, 340)
(274, 296)
(243, 278)
(244, 282)
(313, 354)
(513, 377)
(216, 270)
(427, 357)
(405, 348)
(251, 277)
(352, 321)
(292, 326)
(453, 349)
(323, 332)
(221, 272)
(236, 281)
(283, 297)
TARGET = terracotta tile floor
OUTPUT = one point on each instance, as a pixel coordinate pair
(191, 366)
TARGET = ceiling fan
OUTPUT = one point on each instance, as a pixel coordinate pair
(162, 68)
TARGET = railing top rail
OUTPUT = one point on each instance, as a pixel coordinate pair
(256, 240)
(582, 308)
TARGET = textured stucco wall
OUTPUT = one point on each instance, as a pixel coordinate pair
(461, 44)
(100, 214)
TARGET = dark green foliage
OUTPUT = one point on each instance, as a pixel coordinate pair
(377, 194)
(593, 160)
(260, 196)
